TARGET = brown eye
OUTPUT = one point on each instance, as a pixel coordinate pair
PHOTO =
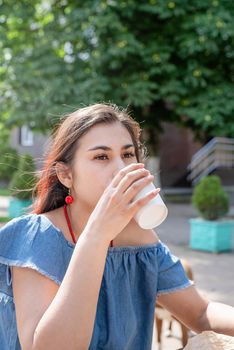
(101, 157)
(129, 155)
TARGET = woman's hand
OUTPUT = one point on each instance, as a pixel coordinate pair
(116, 207)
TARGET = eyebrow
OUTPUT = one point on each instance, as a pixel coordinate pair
(106, 148)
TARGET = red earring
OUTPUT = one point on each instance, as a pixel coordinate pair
(69, 199)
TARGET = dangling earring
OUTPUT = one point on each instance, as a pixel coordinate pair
(69, 199)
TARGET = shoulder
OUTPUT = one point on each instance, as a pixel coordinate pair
(28, 225)
(32, 241)
(31, 234)
(24, 221)
(21, 232)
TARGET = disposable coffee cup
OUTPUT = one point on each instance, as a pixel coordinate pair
(154, 212)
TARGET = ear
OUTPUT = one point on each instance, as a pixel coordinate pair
(64, 174)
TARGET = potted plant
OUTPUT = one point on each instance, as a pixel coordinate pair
(211, 232)
(21, 186)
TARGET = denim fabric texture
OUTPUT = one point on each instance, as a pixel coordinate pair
(132, 279)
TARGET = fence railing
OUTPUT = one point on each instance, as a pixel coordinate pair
(219, 152)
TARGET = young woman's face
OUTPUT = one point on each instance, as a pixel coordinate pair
(102, 152)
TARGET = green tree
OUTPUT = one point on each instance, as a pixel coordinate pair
(23, 180)
(9, 156)
(166, 60)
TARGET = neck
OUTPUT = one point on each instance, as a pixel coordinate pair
(78, 217)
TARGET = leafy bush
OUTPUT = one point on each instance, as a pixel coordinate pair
(210, 199)
(9, 162)
(23, 180)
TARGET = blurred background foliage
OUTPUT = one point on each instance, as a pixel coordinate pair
(166, 60)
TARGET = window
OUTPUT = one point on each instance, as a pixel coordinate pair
(26, 136)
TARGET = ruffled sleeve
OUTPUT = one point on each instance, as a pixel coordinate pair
(28, 241)
(171, 274)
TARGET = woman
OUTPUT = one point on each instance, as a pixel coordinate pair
(79, 273)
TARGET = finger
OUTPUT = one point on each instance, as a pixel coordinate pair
(136, 187)
(130, 178)
(138, 204)
(123, 172)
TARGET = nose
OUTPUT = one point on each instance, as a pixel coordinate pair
(118, 165)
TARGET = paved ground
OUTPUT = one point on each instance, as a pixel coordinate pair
(213, 273)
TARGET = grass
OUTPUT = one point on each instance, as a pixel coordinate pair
(5, 219)
(4, 192)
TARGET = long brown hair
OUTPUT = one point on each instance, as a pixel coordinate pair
(49, 193)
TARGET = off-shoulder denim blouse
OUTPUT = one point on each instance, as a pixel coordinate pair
(133, 277)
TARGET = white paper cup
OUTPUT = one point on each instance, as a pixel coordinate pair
(154, 212)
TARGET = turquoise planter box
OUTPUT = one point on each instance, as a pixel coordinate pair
(18, 207)
(212, 236)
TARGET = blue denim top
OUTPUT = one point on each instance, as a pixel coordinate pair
(132, 278)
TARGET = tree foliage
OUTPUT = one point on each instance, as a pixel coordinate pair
(24, 179)
(166, 60)
(9, 156)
